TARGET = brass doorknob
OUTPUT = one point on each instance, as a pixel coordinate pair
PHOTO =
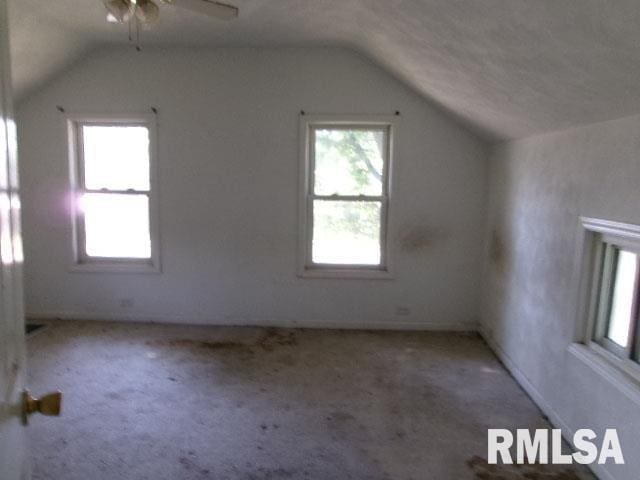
(48, 405)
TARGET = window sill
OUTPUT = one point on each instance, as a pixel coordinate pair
(611, 369)
(346, 273)
(107, 267)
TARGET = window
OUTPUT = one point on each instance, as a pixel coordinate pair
(614, 326)
(113, 194)
(346, 196)
(618, 295)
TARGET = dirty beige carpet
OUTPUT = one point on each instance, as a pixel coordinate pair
(168, 402)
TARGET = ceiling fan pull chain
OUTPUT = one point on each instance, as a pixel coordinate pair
(138, 47)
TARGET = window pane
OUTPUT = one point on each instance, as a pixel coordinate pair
(116, 157)
(116, 225)
(349, 162)
(346, 233)
(623, 298)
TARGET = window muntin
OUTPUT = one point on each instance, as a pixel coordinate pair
(347, 196)
(617, 318)
(113, 193)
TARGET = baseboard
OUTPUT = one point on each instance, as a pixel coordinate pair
(258, 321)
(554, 418)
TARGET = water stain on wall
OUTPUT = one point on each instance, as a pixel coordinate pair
(498, 254)
(418, 239)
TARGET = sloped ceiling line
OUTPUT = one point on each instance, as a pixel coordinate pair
(505, 68)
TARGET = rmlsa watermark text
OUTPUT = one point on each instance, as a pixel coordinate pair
(543, 448)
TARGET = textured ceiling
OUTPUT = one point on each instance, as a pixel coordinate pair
(507, 68)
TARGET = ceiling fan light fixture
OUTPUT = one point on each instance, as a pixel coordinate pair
(120, 10)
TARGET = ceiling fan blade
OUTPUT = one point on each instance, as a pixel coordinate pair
(207, 7)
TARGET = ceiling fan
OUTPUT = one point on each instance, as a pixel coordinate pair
(147, 11)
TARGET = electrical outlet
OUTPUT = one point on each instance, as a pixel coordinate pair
(403, 311)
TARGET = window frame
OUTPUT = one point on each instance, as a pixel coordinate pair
(80, 261)
(603, 239)
(308, 125)
(608, 252)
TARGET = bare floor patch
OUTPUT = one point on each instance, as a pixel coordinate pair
(484, 471)
(197, 344)
(271, 339)
(276, 337)
(242, 403)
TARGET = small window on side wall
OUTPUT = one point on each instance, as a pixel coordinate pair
(345, 204)
(113, 194)
(614, 317)
(617, 314)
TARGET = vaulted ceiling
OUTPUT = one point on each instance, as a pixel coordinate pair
(506, 68)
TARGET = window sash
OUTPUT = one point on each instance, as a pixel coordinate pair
(311, 196)
(383, 201)
(80, 183)
(386, 129)
(81, 235)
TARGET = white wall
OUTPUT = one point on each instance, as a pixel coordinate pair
(228, 148)
(539, 187)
